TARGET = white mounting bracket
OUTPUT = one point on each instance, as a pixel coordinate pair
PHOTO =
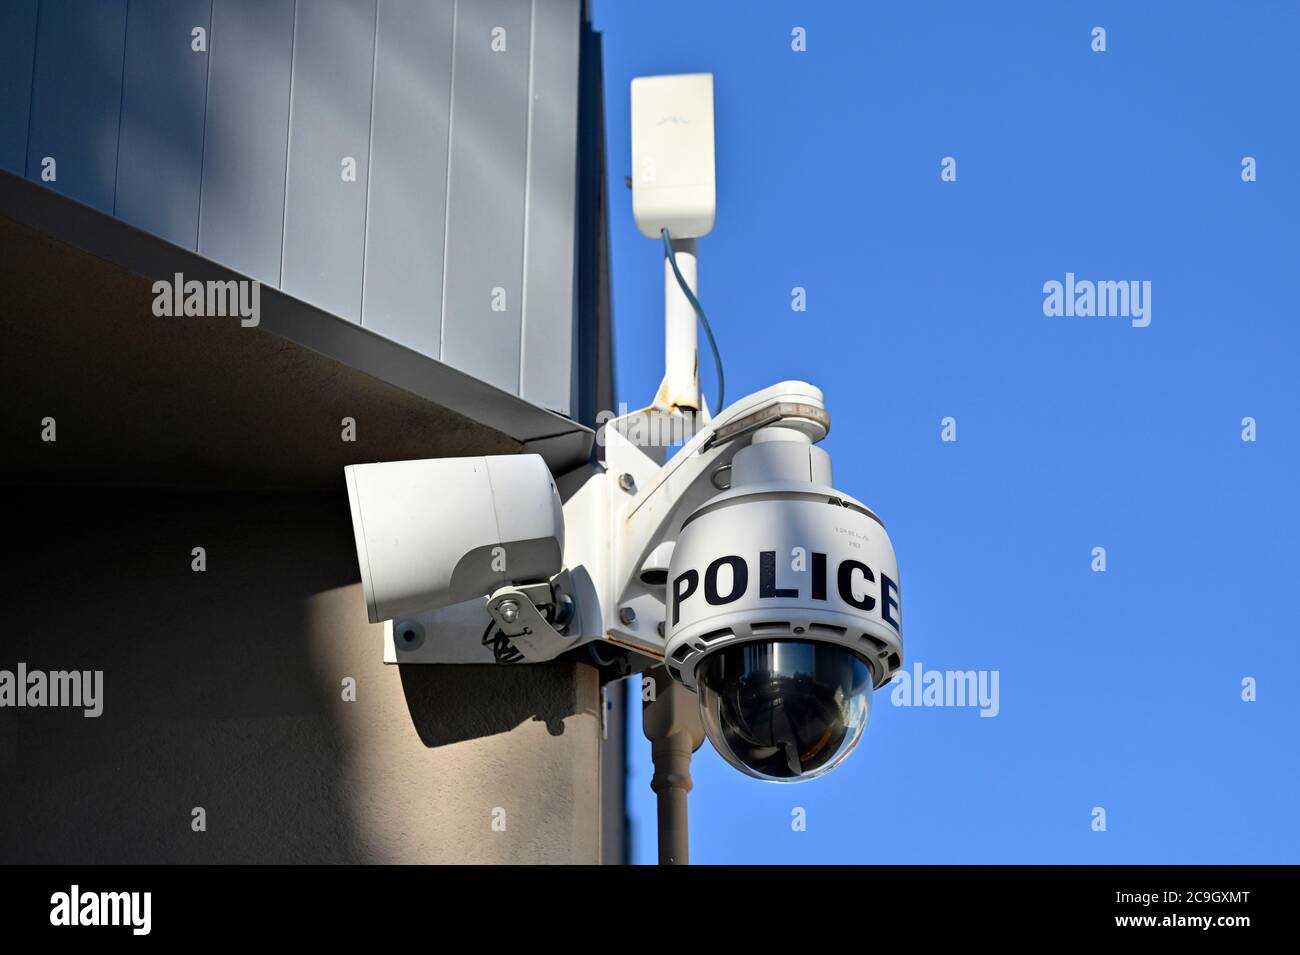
(515, 610)
(649, 498)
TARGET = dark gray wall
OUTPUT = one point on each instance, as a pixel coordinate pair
(460, 118)
(223, 689)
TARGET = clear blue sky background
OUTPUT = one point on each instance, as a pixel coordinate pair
(1119, 689)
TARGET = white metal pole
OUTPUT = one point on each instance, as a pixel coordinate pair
(681, 331)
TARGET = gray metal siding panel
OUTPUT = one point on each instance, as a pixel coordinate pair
(17, 50)
(241, 211)
(465, 155)
(549, 313)
(485, 208)
(325, 216)
(76, 97)
(160, 155)
(406, 217)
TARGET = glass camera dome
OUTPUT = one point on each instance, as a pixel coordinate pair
(784, 710)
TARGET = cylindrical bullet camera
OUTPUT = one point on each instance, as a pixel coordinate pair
(433, 533)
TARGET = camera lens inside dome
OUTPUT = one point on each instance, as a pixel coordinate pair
(784, 710)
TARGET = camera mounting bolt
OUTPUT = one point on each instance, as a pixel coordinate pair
(509, 611)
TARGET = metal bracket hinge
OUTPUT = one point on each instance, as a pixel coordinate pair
(534, 617)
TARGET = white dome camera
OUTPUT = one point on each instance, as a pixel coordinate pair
(783, 611)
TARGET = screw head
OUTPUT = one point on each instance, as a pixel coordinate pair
(627, 483)
(627, 615)
(407, 634)
(509, 611)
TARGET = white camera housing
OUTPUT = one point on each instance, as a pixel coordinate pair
(434, 533)
(783, 555)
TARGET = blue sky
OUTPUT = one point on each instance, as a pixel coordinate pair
(1119, 689)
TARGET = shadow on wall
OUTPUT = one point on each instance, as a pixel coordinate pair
(516, 699)
(225, 689)
(209, 698)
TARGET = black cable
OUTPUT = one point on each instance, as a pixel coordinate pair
(699, 310)
(503, 651)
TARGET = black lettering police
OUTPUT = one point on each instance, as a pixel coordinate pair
(688, 582)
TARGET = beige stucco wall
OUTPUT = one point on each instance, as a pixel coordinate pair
(223, 689)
